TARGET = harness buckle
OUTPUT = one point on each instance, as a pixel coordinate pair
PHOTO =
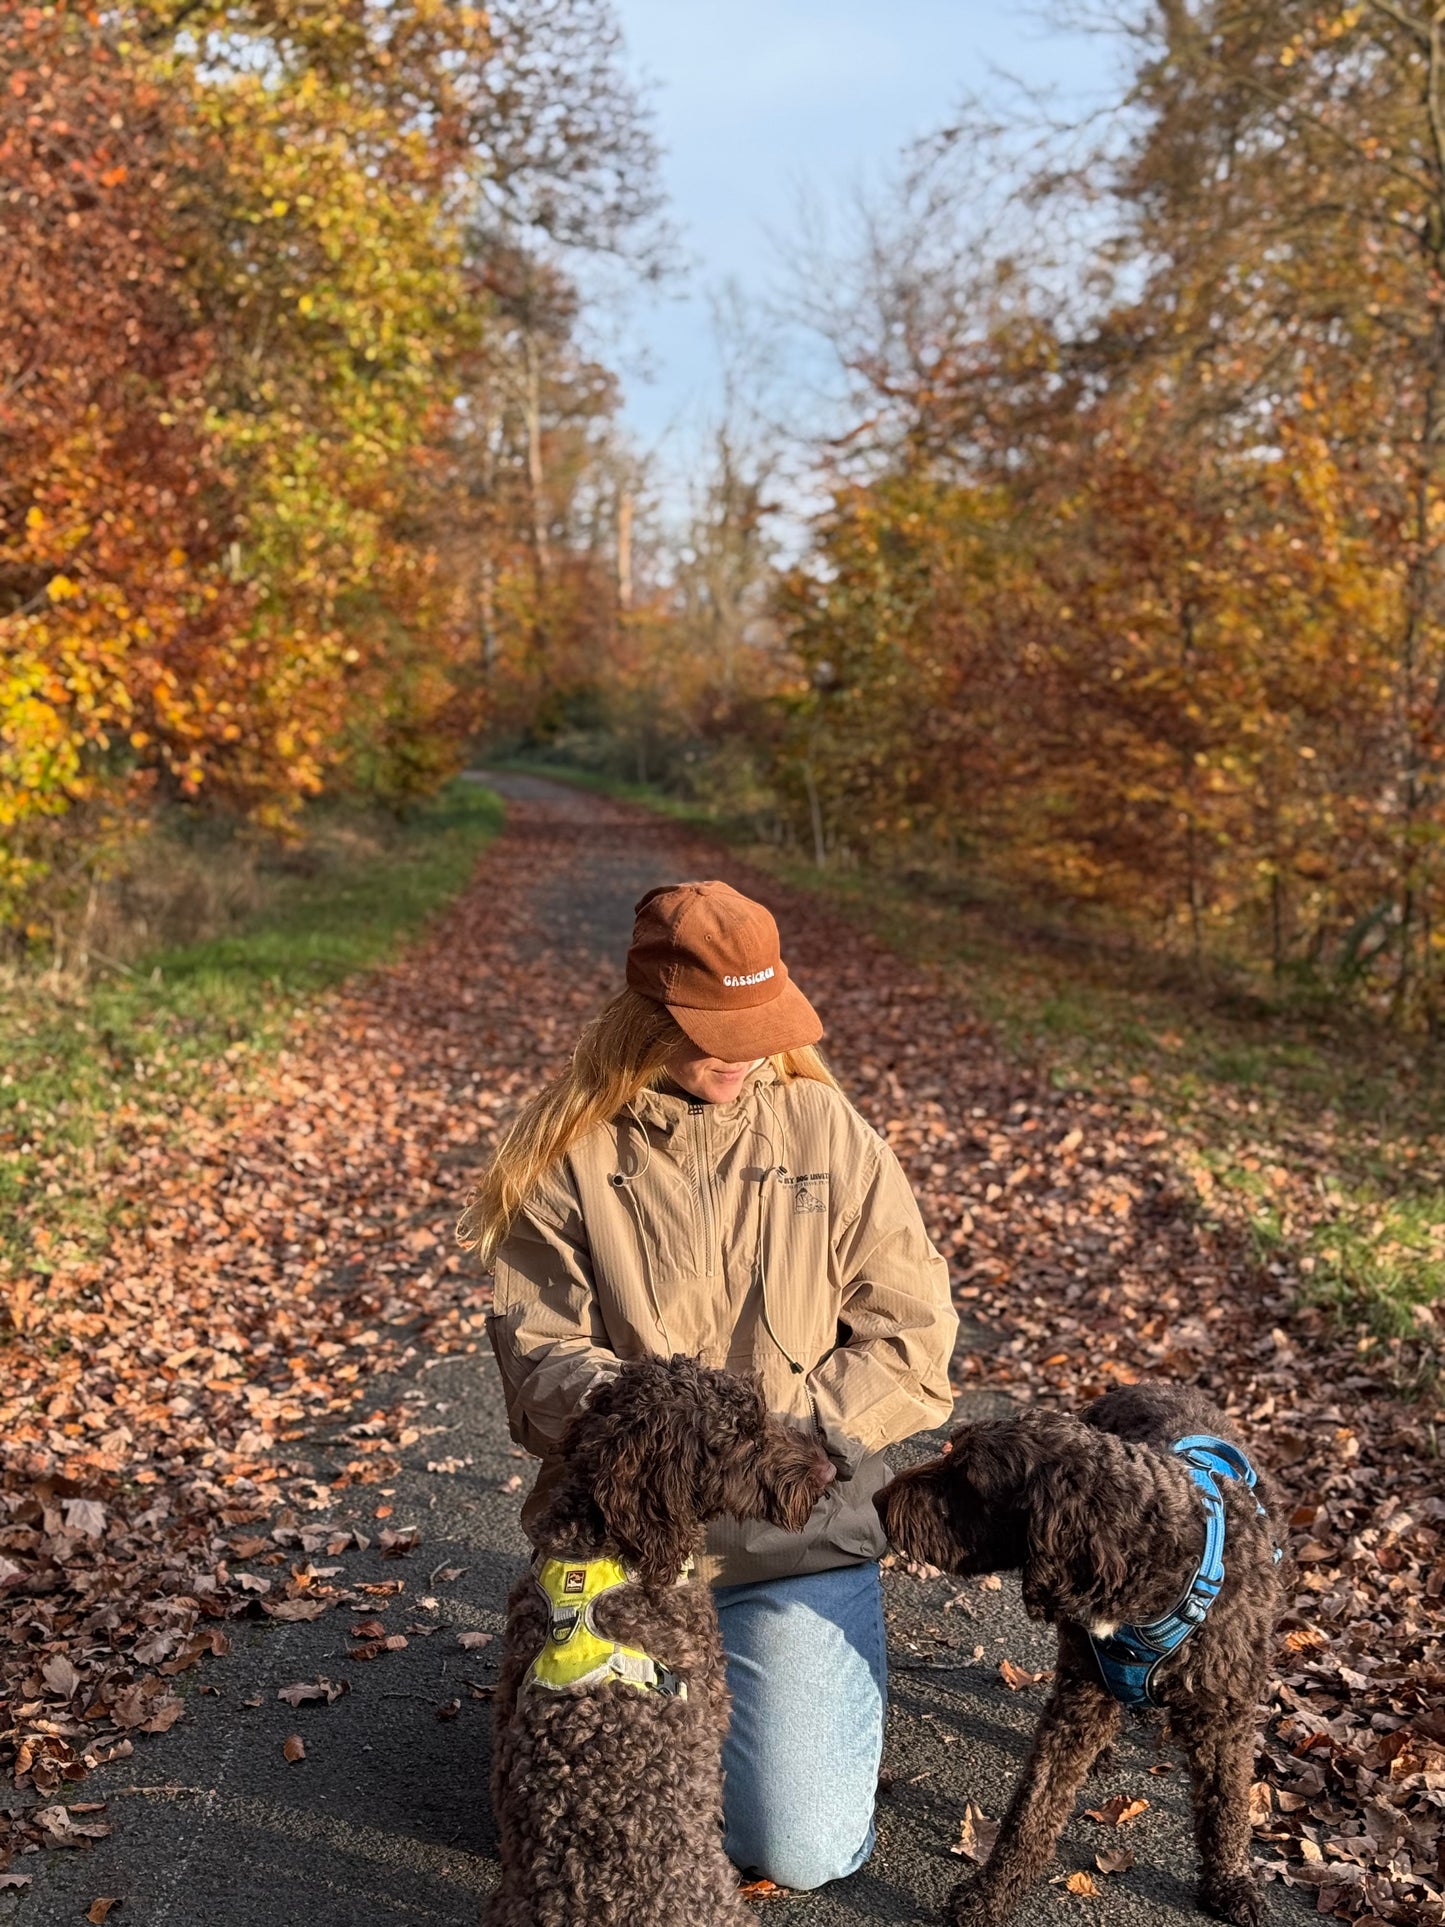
(565, 1621)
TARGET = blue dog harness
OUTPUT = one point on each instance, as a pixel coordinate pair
(1129, 1657)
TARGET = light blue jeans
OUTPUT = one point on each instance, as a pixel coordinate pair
(808, 1669)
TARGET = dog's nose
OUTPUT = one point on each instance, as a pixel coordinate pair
(830, 1471)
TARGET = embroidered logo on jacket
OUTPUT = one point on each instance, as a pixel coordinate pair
(805, 1190)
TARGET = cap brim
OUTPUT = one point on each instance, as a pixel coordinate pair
(787, 1022)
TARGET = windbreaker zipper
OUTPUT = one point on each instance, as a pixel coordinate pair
(705, 1190)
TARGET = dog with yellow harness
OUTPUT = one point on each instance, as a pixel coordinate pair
(612, 1707)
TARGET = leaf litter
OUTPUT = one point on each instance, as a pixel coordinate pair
(159, 1410)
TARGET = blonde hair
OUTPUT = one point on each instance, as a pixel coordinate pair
(624, 1051)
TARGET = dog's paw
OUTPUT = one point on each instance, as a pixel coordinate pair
(1234, 1897)
(971, 1905)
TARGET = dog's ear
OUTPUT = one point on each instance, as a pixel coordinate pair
(636, 1452)
(645, 1495)
(1079, 1543)
(917, 1512)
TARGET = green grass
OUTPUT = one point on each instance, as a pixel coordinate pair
(1320, 1137)
(87, 1070)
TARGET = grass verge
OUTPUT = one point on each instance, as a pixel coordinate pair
(1323, 1137)
(139, 1048)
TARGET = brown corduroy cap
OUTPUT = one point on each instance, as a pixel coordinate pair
(711, 955)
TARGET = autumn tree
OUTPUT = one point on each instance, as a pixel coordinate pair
(249, 272)
(1132, 573)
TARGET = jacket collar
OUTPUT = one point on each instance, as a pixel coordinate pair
(665, 1107)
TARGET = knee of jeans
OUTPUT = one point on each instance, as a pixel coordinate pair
(801, 1865)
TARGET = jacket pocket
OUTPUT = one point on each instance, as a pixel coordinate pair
(855, 1527)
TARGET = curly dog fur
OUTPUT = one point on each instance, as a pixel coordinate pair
(609, 1800)
(1107, 1528)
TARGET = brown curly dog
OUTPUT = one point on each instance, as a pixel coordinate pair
(1108, 1528)
(608, 1796)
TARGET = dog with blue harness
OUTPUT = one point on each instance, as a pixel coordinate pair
(1129, 1657)
(1141, 1530)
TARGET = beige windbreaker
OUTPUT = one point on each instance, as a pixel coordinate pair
(776, 1234)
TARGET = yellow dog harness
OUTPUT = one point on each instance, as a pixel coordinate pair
(576, 1654)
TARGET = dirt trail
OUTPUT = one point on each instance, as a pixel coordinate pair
(1077, 1258)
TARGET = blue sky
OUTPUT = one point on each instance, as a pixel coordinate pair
(758, 101)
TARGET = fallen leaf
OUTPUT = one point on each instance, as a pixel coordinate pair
(449, 1709)
(762, 1890)
(1015, 1677)
(368, 1629)
(1260, 1807)
(1118, 1811)
(60, 1676)
(294, 1748)
(1085, 1885)
(85, 1516)
(62, 1829)
(1118, 1861)
(98, 1912)
(976, 1835)
(305, 1690)
(14, 1881)
(293, 1609)
(473, 1642)
(166, 1713)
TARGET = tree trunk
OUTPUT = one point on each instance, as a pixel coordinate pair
(536, 479)
(815, 816)
(624, 550)
(1416, 718)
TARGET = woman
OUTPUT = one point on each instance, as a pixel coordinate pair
(696, 1182)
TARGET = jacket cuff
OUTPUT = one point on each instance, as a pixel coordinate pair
(842, 1448)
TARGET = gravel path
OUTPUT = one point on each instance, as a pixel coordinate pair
(387, 1815)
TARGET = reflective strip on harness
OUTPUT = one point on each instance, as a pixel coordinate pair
(576, 1655)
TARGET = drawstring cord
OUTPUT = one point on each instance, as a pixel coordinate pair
(776, 1172)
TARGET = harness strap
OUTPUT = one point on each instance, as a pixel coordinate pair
(1130, 1656)
(577, 1655)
